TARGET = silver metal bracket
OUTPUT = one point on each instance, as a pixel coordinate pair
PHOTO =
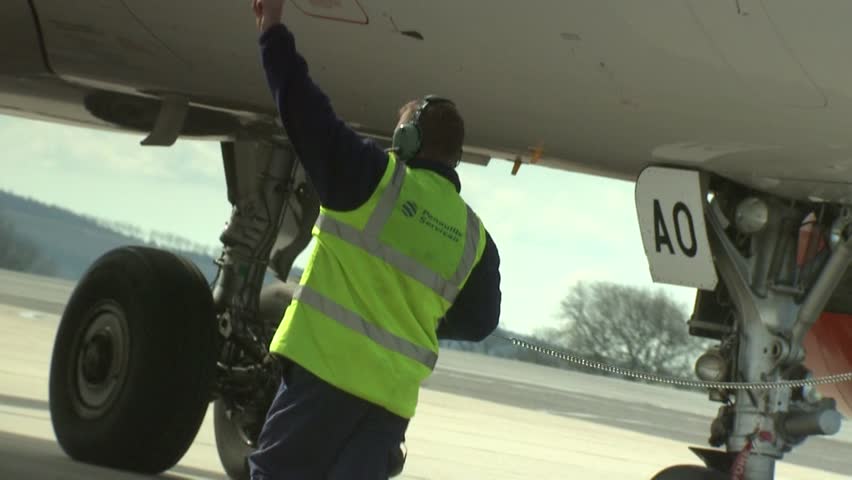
(169, 122)
(274, 208)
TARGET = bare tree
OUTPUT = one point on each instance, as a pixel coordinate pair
(19, 253)
(628, 327)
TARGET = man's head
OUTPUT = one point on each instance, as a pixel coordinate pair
(439, 129)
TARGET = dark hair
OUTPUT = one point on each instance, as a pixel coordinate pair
(442, 128)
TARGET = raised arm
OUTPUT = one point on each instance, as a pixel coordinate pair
(344, 167)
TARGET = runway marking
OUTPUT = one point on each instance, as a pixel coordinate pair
(633, 422)
(587, 416)
(469, 377)
(32, 315)
(594, 417)
(20, 374)
(523, 386)
(21, 412)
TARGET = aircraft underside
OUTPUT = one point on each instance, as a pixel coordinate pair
(756, 91)
(730, 119)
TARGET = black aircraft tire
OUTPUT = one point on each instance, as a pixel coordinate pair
(689, 472)
(232, 440)
(134, 361)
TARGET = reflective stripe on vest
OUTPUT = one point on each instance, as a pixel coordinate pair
(368, 240)
(331, 309)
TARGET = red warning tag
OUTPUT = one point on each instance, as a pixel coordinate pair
(738, 468)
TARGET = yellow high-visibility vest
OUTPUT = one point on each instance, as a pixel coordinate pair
(365, 315)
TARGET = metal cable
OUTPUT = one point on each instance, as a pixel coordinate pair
(681, 382)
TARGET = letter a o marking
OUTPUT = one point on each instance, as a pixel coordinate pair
(680, 209)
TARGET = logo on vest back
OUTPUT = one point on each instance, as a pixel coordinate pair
(409, 209)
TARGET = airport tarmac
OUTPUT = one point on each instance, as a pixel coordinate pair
(478, 418)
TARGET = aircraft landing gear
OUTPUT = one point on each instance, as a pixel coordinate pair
(143, 345)
(773, 286)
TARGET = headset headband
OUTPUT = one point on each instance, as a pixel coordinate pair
(427, 102)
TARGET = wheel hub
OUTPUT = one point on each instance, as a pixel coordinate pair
(102, 358)
(97, 358)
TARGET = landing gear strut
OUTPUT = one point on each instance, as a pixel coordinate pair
(773, 287)
(274, 208)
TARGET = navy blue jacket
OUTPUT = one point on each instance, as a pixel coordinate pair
(345, 169)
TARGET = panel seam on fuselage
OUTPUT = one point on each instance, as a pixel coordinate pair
(40, 34)
(151, 32)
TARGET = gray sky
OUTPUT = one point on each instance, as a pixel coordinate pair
(552, 228)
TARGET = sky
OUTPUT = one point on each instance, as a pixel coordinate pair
(552, 228)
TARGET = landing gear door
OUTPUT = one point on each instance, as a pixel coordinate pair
(670, 206)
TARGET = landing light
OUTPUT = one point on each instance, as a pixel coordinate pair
(752, 215)
(711, 367)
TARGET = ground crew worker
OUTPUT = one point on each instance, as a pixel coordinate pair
(400, 261)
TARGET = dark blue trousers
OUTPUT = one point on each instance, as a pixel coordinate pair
(315, 431)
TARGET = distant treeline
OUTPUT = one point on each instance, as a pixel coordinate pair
(19, 253)
(163, 240)
(51, 240)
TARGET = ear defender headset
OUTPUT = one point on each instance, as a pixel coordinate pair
(407, 138)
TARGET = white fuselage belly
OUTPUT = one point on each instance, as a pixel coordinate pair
(758, 91)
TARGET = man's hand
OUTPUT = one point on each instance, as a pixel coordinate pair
(267, 12)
